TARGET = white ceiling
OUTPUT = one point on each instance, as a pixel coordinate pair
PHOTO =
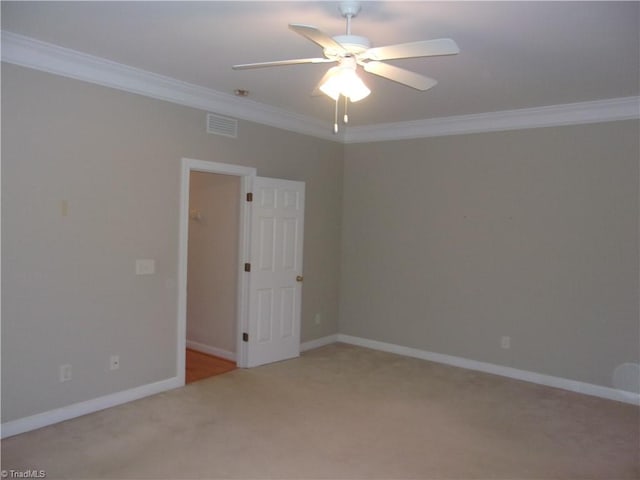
(513, 54)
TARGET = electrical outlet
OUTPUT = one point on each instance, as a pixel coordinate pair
(145, 266)
(318, 318)
(64, 372)
(505, 342)
(114, 362)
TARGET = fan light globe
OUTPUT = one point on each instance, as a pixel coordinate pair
(343, 80)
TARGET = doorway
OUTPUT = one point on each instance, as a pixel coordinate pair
(212, 274)
(269, 292)
(239, 180)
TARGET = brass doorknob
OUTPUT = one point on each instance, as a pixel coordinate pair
(299, 278)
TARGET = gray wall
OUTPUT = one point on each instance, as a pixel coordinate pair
(447, 243)
(450, 243)
(213, 262)
(69, 290)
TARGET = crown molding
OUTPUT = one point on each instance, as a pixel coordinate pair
(50, 58)
(625, 108)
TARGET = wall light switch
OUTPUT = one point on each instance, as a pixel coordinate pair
(145, 266)
(64, 372)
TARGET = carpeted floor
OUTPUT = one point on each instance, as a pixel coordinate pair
(344, 412)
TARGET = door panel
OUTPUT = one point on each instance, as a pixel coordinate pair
(275, 294)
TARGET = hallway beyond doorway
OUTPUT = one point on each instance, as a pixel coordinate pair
(201, 365)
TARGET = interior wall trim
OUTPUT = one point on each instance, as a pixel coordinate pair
(208, 349)
(533, 377)
(50, 58)
(318, 342)
(47, 57)
(598, 111)
(39, 420)
(33, 422)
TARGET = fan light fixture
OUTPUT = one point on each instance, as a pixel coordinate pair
(353, 51)
(343, 80)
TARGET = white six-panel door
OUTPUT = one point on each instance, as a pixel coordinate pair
(275, 285)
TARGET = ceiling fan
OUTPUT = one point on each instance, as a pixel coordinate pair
(353, 51)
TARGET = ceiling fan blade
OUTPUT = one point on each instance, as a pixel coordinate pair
(317, 36)
(425, 48)
(400, 75)
(279, 63)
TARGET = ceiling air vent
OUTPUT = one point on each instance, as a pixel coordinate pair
(222, 125)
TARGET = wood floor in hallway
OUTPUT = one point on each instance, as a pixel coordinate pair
(201, 365)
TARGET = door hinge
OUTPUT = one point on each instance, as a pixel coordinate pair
(247, 267)
(245, 337)
(249, 197)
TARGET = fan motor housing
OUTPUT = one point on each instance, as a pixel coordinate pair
(354, 44)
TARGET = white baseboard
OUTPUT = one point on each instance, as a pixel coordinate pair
(318, 342)
(44, 419)
(218, 352)
(548, 380)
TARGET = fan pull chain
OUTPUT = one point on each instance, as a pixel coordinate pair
(335, 117)
(346, 116)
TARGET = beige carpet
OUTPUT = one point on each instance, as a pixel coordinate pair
(344, 412)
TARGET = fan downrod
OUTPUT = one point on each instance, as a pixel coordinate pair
(354, 44)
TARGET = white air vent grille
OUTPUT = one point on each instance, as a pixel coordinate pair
(222, 125)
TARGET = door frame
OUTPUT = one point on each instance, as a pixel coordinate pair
(246, 174)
